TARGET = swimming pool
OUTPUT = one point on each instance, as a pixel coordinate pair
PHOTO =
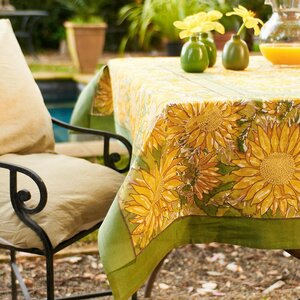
(60, 97)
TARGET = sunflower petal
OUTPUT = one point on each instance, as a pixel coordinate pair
(137, 210)
(141, 200)
(284, 137)
(266, 203)
(293, 202)
(246, 182)
(274, 139)
(288, 190)
(143, 190)
(255, 187)
(246, 172)
(262, 194)
(283, 206)
(296, 185)
(264, 140)
(257, 151)
(293, 140)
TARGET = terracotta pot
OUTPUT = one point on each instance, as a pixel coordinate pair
(221, 39)
(85, 43)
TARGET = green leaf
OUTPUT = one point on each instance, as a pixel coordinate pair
(232, 212)
(208, 209)
(186, 188)
(221, 188)
(226, 169)
(183, 200)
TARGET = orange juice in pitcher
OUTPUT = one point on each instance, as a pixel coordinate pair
(281, 54)
(280, 36)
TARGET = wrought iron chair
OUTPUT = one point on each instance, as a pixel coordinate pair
(47, 200)
(19, 197)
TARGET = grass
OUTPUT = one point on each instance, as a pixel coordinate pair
(70, 69)
(35, 67)
(92, 237)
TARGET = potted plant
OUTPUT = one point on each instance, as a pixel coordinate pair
(85, 33)
(152, 19)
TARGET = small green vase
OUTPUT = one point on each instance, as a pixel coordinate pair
(194, 57)
(235, 54)
(210, 48)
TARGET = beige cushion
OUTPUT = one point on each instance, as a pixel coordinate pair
(24, 119)
(79, 196)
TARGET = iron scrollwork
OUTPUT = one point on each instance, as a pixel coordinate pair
(20, 197)
(110, 159)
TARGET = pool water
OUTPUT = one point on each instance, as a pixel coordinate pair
(60, 97)
(62, 114)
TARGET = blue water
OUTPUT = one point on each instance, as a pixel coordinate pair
(60, 97)
(63, 114)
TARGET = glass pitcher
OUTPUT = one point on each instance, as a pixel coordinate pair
(280, 36)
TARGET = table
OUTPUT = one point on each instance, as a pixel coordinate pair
(216, 159)
(28, 21)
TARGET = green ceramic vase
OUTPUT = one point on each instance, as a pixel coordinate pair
(235, 55)
(210, 48)
(194, 57)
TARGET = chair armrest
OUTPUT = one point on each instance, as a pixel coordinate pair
(19, 198)
(110, 159)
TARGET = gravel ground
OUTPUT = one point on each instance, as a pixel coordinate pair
(213, 271)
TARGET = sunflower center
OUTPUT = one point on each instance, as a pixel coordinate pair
(278, 168)
(210, 121)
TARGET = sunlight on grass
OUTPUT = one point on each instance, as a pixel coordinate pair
(36, 67)
(52, 68)
(92, 237)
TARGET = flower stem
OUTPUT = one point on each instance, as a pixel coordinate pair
(241, 29)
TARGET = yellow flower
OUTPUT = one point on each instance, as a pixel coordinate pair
(271, 107)
(201, 175)
(158, 135)
(154, 198)
(269, 174)
(102, 102)
(249, 20)
(209, 125)
(280, 108)
(200, 22)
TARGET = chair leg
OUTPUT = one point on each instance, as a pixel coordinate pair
(294, 252)
(16, 275)
(50, 276)
(14, 293)
(151, 280)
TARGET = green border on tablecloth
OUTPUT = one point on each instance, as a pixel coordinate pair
(118, 237)
(247, 232)
(123, 131)
(81, 115)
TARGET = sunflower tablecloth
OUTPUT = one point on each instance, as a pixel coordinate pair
(216, 158)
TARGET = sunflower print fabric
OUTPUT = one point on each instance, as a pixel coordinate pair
(103, 102)
(219, 144)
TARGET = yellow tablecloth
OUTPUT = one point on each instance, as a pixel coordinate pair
(216, 158)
